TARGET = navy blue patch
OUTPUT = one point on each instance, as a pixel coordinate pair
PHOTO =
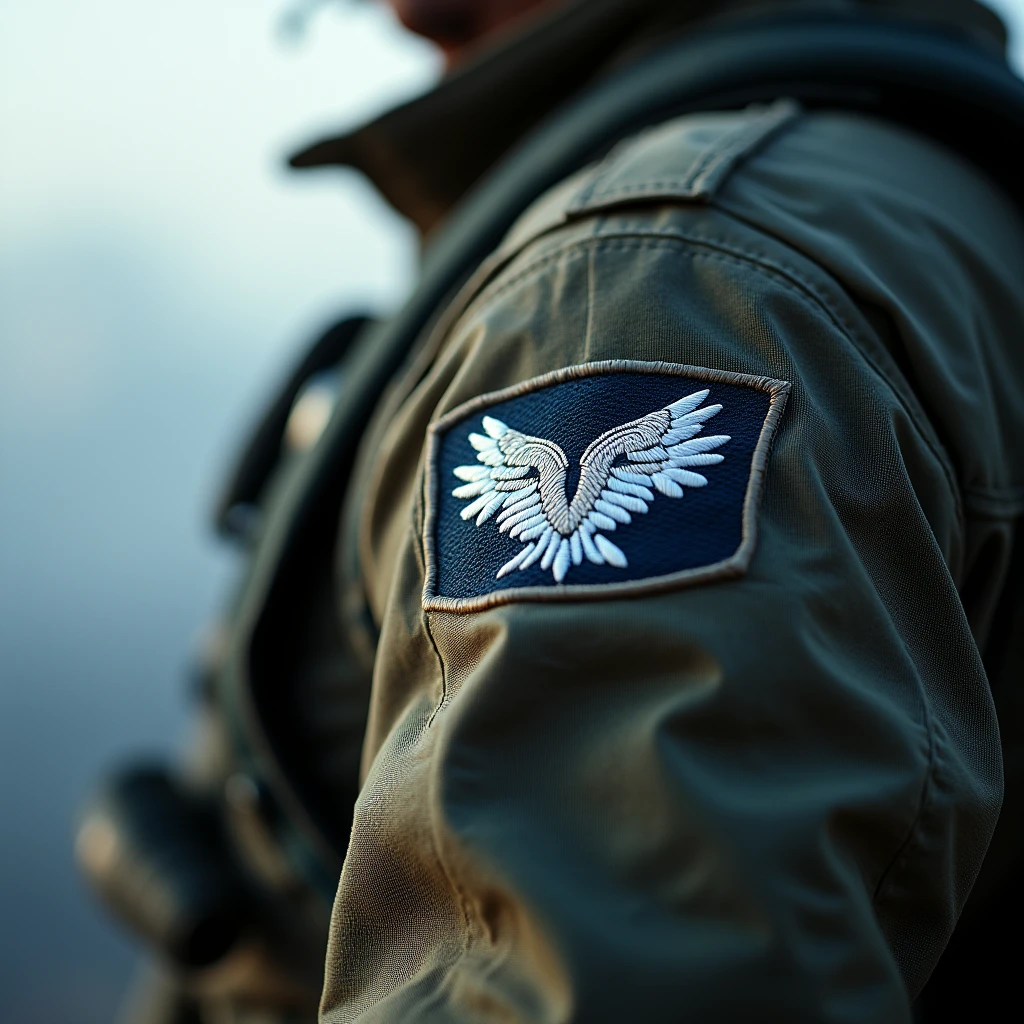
(596, 479)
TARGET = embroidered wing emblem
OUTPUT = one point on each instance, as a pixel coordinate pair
(522, 480)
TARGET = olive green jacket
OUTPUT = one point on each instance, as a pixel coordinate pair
(759, 788)
(758, 792)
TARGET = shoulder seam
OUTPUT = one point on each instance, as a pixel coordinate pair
(796, 282)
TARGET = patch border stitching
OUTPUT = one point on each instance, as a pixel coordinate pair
(735, 565)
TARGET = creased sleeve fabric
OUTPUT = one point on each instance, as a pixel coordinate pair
(763, 796)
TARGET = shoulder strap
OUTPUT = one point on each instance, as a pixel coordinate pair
(261, 453)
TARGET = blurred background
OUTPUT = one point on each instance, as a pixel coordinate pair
(158, 269)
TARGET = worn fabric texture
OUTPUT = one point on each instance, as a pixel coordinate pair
(763, 797)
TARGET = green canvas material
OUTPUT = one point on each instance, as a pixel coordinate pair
(789, 777)
(762, 796)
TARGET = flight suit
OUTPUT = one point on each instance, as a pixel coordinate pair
(758, 790)
(655, 592)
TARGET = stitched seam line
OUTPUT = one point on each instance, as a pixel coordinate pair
(447, 870)
(780, 272)
(440, 659)
(419, 519)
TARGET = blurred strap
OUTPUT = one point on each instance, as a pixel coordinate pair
(260, 455)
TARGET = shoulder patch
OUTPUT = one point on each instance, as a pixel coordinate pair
(596, 481)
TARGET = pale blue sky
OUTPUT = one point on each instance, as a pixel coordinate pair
(157, 267)
(163, 126)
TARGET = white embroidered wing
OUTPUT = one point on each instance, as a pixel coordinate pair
(523, 479)
(518, 473)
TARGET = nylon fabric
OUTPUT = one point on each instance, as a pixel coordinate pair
(788, 777)
(761, 795)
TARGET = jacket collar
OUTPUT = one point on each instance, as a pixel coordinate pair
(424, 155)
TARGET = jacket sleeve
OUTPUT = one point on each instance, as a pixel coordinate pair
(758, 797)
